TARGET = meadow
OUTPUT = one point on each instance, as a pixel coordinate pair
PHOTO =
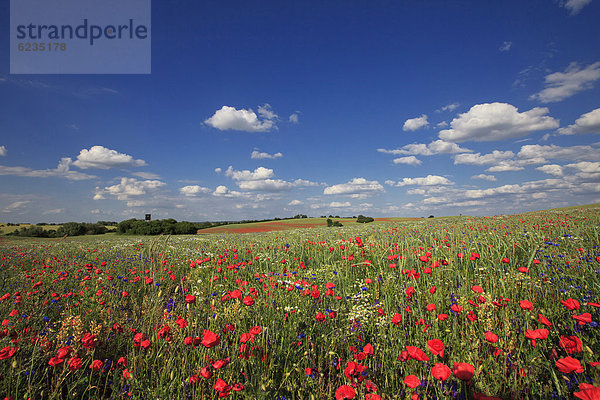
(502, 307)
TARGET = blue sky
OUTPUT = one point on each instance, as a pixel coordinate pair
(265, 109)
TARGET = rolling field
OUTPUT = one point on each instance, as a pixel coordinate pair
(502, 307)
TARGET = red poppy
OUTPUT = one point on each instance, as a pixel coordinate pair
(373, 396)
(456, 308)
(436, 346)
(145, 344)
(88, 340)
(431, 307)
(412, 381)
(440, 371)
(248, 300)
(96, 365)
(368, 349)
(221, 363)
(417, 353)
(74, 363)
(491, 337)
(345, 392)
(536, 333)
(588, 392)
(526, 305)
(126, 374)
(443, 317)
(506, 260)
(190, 299)
(222, 386)
(584, 318)
(54, 361)
(397, 319)
(569, 364)
(463, 371)
(543, 320)
(477, 289)
(206, 373)
(571, 304)
(210, 339)
(571, 344)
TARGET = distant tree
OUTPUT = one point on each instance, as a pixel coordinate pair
(364, 220)
(431, 216)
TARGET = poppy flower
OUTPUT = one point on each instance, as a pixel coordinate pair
(54, 361)
(206, 372)
(368, 349)
(221, 363)
(588, 392)
(417, 353)
(74, 363)
(571, 344)
(505, 260)
(431, 307)
(436, 346)
(190, 299)
(96, 365)
(440, 371)
(456, 308)
(372, 396)
(477, 289)
(248, 300)
(569, 364)
(345, 392)
(543, 320)
(571, 304)
(145, 344)
(583, 319)
(491, 337)
(397, 319)
(412, 381)
(463, 371)
(126, 374)
(210, 339)
(526, 305)
(443, 317)
(221, 386)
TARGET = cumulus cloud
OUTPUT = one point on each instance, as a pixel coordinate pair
(410, 160)
(560, 85)
(61, 171)
(586, 169)
(15, 206)
(294, 118)
(421, 149)
(356, 186)
(194, 190)
(256, 155)
(2, 151)
(587, 123)
(551, 169)
(53, 211)
(295, 203)
(337, 204)
(146, 175)
(429, 180)
(484, 177)
(497, 121)
(229, 118)
(266, 185)
(246, 175)
(102, 158)
(505, 46)
(449, 107)
(492, 158)
(129, 187)
(575, 6)
(413, 124)
(541, 153)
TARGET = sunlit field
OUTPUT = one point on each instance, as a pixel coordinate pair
(457, 308)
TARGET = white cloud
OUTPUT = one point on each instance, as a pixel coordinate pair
(484, 177)
(246, 175)
(497, 121)
(505, 46)
(2, 151)
(294, 117)
(429, 180)
(551, 169)
(256, 155)
(61, 171)
(417, 191)
(304, 182)
(442, 124)
(218, 170)
(229, 118)
(586, 169)
(266, 185)
(295, 203)
(421, 149)
(53, 211)
(146, 175)
(410, 160)
(102, 158)
(549, 152)
(587, 123)
(194, 190)
(413, 124)
(487, 159)
(356, 186)
(575, 6)
(129, 187)
(449, 107)
(560, 85)
(336, 204)
(15, 206)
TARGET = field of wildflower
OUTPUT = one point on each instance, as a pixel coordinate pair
(449, 308)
